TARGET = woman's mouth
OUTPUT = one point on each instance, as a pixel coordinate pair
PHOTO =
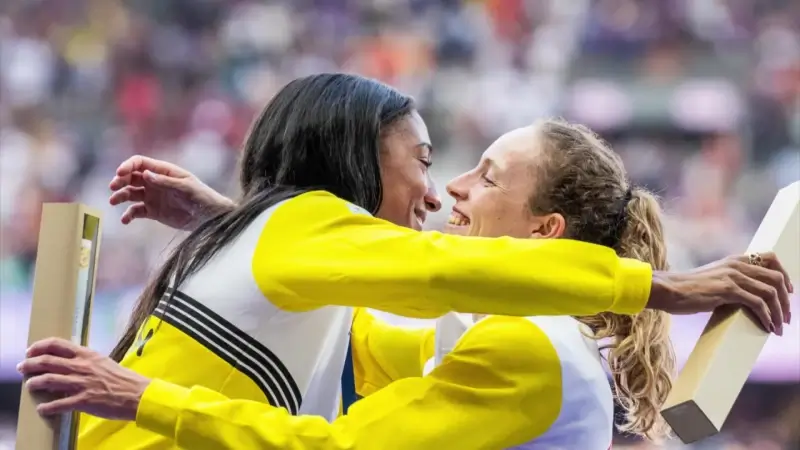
(458, 219)
(420, 216)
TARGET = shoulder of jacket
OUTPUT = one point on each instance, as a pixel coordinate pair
(326, 199)
(513, 341)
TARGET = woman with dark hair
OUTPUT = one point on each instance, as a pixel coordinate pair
(236, 300)
(255, 303)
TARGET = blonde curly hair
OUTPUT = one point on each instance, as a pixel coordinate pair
(582, 179)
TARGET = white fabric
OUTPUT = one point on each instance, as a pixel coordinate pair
(312, 345)
(586, 419)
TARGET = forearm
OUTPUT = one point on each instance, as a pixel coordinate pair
(500, 276)
(201, 418)
(498, 388)
(662, 292)
(214, 204)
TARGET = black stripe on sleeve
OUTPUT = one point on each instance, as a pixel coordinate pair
(234, 346)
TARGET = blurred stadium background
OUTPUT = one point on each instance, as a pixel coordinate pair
(701, 97)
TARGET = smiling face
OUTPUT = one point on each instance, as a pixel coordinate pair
(408, 190)
(493, 199)
(526, 184)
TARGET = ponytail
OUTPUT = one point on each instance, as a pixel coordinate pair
(582, 179)
(640, 356)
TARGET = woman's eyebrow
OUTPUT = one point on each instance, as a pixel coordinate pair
(426, 145)
(492, 164)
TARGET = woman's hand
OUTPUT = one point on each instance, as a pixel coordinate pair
(164, 192)
(763, 289)
(79, 379)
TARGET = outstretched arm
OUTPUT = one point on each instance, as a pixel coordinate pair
(173, 196)
(167, 193)
(499, 387)
(317, 250)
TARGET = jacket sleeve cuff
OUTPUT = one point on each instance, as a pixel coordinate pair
(160, 408)
(632, 286)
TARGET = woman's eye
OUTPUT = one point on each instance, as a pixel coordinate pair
(488, 181)
(426, 163)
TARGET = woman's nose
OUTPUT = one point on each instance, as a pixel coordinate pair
(455, 190)
(432, 200)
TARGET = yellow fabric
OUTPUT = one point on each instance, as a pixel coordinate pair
(163, 356)
(315, 251)
(319, 250)
(630, 291)
(383, 353)
(499, 387)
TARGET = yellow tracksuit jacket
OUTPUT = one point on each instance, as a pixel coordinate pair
(499, 387)
(318, 250)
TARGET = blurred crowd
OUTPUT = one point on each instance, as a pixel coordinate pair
(701, 97)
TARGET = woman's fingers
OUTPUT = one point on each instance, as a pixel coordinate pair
(770, 299)
(46, 364)
(54, 346)
(757, 306)
(140, 163)
(54, 383)
(60, 405)
(127, 194)
(51, 355)
(135, 211)
(771, 262)
(132, 179)
(773, 289)
(88, 382)
(769, 284)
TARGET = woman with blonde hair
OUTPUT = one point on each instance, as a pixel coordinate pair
(491, 383)
(559, 180)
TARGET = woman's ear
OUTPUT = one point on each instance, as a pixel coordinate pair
(550, 226)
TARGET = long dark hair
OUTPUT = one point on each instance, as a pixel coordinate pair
(320, 132)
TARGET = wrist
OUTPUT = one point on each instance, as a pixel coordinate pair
(133, 399)
(219, 204)
(207, 207)
(662, 292)
(224, 204)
